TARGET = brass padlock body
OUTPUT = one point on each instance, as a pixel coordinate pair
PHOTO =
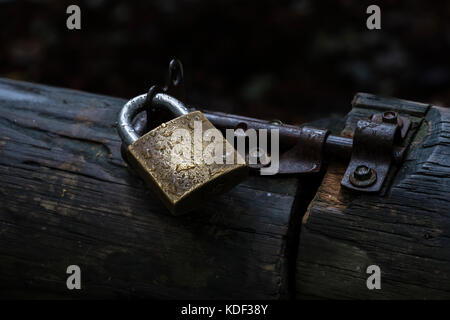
(182, 186)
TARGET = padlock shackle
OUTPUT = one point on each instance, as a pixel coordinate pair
(137, 104)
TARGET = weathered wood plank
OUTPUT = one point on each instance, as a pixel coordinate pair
(66, 197)
(406, 232)
(373, 102)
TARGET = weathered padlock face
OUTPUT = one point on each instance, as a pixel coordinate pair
(169, 162)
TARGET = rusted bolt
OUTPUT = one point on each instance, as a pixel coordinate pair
(390, 117)
(241, 125)
(363, 176)
(259, 156)
(362, 173)
(276, 122)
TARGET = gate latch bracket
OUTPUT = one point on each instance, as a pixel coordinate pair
(376, 145)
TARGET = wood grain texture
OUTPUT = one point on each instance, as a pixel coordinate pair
(406, 231)
(66, 197)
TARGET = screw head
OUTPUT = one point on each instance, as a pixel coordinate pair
(362, 172)
(390, 117)
(261, 156)
(363, 176)
(276, 122)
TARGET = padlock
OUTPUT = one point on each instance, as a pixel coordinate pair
(167, 160)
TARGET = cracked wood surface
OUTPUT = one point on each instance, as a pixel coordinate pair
(406, 231)
(66, 197)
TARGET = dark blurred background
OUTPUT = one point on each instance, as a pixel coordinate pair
(291, 60)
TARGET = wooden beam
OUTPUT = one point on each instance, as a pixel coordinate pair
(66, 197)
(405, 231)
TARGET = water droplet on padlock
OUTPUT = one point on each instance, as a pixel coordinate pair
(179, 139)
(184, 166)
(160, 145)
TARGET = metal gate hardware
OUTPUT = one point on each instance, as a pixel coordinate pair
(376, 142)
(373, 151)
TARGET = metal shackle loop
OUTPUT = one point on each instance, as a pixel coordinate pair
(137, 104)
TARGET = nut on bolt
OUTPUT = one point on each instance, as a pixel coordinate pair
(390, 117)
(363, 176)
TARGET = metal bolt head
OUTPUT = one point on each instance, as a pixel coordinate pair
(390, 117)
(362, 172)
(257, 158)
(276, 122)
(363, 176)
